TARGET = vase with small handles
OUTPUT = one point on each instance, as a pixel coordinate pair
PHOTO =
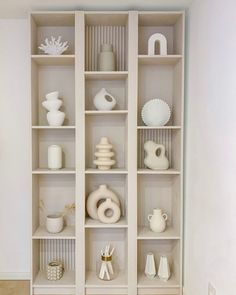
(157, 220)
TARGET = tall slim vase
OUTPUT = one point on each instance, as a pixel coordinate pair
(150, 268)
(164, 269)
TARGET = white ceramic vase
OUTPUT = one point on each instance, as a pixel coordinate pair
(108, 211)
(155, 158)
(106, 58)
(104, 101)
(55, 118)
(150, 267)
(54, 157)
(54, 223)
(104, 155)
(52, 105)
(52, 95)
(96, 197)
(157, 220)
(164, 269)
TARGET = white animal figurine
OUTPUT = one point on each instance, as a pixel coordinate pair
(155, 158)
(162, 43)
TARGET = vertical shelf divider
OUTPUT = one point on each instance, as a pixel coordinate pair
(80, 151)
(132, 150)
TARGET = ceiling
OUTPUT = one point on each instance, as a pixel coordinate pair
(20, 8)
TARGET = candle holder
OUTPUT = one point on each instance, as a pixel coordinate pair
(105, 265)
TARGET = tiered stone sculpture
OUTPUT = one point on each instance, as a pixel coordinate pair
(104, 155)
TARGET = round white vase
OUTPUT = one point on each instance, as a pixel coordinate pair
(55, 118)
(54, 157)
(106, 58)
(54, 223)
(108, 212)
(104, 101)
(157, 221)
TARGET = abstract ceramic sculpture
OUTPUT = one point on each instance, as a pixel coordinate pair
(54, 46)
(155, 158)
(161, 39)
(96, 197)
(54, 157)
(156, 112)
(164, 269)
(106, 58)
(55, 270)
(150, 267)
(157, 221)
(52, 105)
(104, 155)
(54, 223)
(104, 101)
(108, 211)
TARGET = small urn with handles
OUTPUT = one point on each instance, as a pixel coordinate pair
(157, 220)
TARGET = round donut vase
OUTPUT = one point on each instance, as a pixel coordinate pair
(108, 206)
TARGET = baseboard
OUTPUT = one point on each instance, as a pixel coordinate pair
(18, 276)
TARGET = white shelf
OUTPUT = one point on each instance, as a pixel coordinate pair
(93, 281)
(115, 112)
(91, 223)
(53, 127)
(144, 282)
(111, 171)
(161, 172)
(60, 171)
(53, 60)
(67, 233)
(159, 127)
(144, 233)
(68, 280)
(122, 75)
(159, 60)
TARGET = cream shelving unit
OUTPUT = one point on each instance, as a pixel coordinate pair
(138, 78)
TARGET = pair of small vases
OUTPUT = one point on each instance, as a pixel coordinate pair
(52, 104)
(163, 269)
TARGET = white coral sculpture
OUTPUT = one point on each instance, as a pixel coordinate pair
(54, 46)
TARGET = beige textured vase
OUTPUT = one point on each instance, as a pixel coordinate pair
(106, 58)
(157, 221)
(104, 154)
(155, 156)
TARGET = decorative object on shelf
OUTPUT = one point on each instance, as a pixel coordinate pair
(164, 269)
(106, 58)
(104, 101)
(54, 46)
(55, 270)
(155, 158)
(54, 223)
(97, 197)
(150, 267)
(108, 212)
(53, 104)
(104, 155)
(156, 112)
(157, 220)
(161, 39)
(105, 268)
(54, 157)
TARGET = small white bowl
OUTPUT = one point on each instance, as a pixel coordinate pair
(52, 95)
(52, 105)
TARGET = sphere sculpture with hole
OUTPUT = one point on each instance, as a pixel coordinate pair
(103, 205)
(155, 158)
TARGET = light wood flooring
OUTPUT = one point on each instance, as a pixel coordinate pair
(14, 287)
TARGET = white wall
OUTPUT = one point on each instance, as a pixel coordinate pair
(210, 241)
(14, 149)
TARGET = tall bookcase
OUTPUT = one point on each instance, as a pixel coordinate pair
(138, 78)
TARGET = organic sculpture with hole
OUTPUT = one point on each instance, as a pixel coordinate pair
(155, 158)
(161, 39)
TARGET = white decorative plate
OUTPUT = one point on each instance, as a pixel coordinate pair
(156, 112)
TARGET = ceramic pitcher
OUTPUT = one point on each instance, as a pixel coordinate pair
(157, 221)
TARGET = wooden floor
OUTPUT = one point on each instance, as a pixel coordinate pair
(14, 287)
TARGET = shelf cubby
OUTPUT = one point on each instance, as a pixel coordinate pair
(117, 88)
(118, 184)
(46, 250)
(103, 28)
(167, 23)
(47, 24)
(159, 191)
(97, 127)
(43, 138)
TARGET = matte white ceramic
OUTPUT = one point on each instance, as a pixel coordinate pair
(104, 154)
(52, 105)
(52, 95)
(54, 46)
(150, 266)
(155, 157)
(54, 157)
(157, 220)
(156, 112)
(108, 211)
(106, 58)
(103, 100)
(164, 269)
(54, 223)
(161, 39)
(55, 118)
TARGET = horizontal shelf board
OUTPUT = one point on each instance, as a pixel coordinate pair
(100, 75)
(91, 223)
(168, 171)
(158, 127)
(144, 282)
(144, 233)
(93, 281)
(68, 280)
(111, 171)
(115, 112)
(53, 60)
(159, 59)
(53, 127)
(60, 171)
(67, 233)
